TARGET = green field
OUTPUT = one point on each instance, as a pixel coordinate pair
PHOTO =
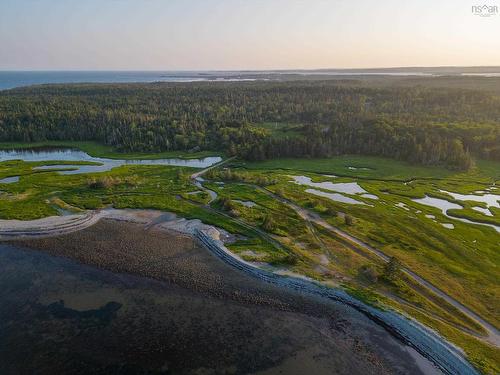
(376, 168)
(467, 254)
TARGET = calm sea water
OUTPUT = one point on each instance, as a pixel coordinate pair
(10, 80)
(13, 79)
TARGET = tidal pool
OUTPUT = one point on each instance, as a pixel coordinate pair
(339, 187)
(9, 180)
(491, 200)
(248, 204)
(69, 154)
(444, 206)
(334, 196)
(484, 211)
(359, 169)
(441, 204)
(403, 206)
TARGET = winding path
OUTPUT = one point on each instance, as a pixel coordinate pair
(198, 174)
(493, 335)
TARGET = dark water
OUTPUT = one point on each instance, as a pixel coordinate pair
(61, 317)
(12, 79)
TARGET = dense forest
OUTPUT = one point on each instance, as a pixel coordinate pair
(260, 120)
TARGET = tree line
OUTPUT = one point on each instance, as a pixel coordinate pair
(431, 126)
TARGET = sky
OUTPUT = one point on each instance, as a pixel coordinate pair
(244, 34)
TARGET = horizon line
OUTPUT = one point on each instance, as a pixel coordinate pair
(255, 70)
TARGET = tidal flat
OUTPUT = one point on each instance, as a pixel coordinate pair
(120, 298)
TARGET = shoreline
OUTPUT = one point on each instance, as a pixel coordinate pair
(191, 310)
(424, 340)
(13, 230)
(431, 345)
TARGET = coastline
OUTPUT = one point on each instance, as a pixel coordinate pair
(427, 342)
(123, 248)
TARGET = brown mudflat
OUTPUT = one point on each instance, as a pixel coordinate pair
(153, 302)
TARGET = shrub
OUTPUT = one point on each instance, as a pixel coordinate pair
(104, 182)
(289, 259)
(227, 204)
(369, 272)
(348, 220)
(392, 270)
(330, 211)
(269, 224)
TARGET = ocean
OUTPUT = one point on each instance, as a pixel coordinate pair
(12, 79)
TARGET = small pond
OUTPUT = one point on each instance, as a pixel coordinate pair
(248, 204)
(340, 187)
(444, 206)
(9, 180)
(491, 200)
(351, 188)
(441, 204)
(334, 196)
(403, 206)
(68, 155)
(369, 196)
(484, 211)
(359, 169)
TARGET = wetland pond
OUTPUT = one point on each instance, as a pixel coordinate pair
(339, 189)
(103, 164)
(9, 180)
(345, 192)
(491, 200)
(444, 206)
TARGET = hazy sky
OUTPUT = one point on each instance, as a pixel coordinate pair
(244, 34)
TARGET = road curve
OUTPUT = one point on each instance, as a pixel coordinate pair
(194, 176)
